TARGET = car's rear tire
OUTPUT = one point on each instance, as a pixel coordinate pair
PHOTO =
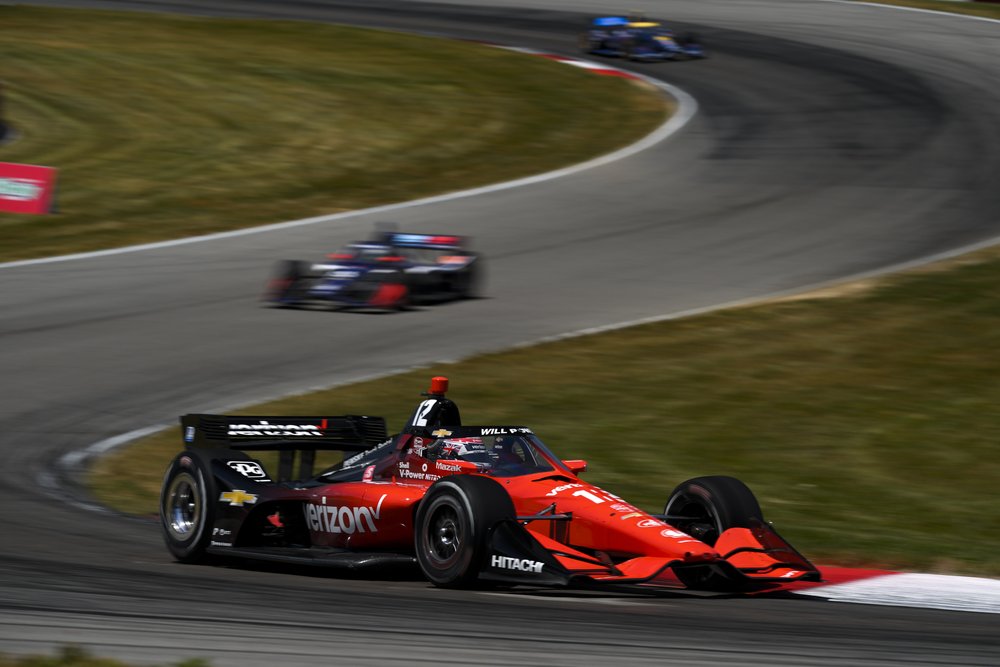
(452, 528)
(704, 508)
(187, 509)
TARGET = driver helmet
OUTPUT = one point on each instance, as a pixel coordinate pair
(462, 448)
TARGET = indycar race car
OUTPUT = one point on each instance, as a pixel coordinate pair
(392, 271)
(638, 40)
(470, 505)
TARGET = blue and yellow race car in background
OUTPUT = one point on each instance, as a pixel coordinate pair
(636, 38)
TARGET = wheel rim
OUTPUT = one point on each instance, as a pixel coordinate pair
(444, 536)
(697, 518)
(183, 507)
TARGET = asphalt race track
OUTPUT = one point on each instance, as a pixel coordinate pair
(831, 139)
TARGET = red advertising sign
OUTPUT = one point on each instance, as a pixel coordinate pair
(26, 188)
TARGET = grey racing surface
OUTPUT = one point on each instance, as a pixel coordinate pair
(831, 139)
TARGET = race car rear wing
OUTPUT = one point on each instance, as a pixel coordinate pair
(306, 435)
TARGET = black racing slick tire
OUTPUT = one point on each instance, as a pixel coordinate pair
(187, 509)
(704, 508)
(452, 528)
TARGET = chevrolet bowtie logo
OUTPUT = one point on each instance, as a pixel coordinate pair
(237, 497)
(440, 433)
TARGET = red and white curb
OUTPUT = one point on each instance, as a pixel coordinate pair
(905, 589)
(596, 68)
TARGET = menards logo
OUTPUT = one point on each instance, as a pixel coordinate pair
(281, 430)
(20, 189)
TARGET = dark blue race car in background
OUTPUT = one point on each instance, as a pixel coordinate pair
(392, 271)
(638, 39)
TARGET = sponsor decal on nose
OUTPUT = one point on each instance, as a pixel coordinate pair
(518, 564)
(344, 519)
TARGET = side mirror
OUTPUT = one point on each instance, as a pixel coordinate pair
(576, 466)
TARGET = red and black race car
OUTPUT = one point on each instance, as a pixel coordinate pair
(471, 505)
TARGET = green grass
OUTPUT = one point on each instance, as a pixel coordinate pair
(191, 125)
(865, 420)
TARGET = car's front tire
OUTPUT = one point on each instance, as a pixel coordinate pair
(452, 527)
(630, 50)
(290, 282)
(187, 509)
(704, 508)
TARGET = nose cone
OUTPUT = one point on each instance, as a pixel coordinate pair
(652, 537)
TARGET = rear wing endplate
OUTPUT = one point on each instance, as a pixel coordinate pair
(307, 435)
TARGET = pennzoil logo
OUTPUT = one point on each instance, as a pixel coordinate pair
(266, 428)
(237, 497)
